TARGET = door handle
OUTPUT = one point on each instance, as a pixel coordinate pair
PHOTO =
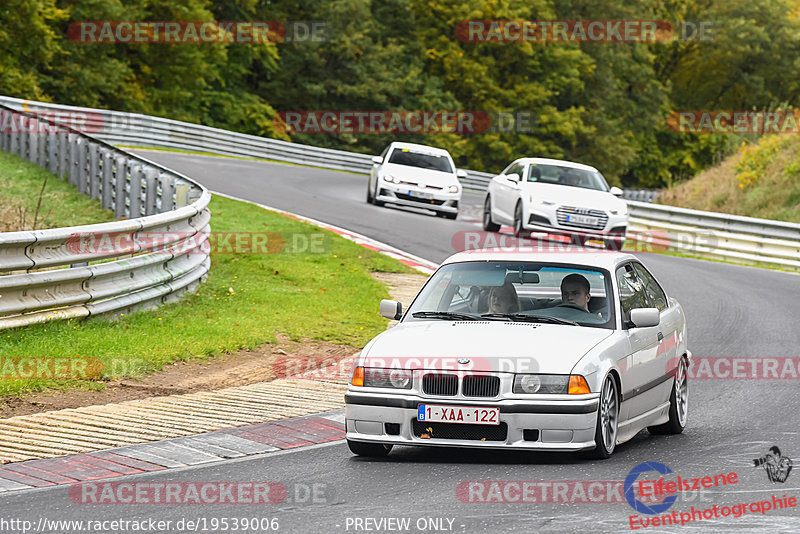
(660, 337)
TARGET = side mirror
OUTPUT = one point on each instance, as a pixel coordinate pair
(616, 191)
(461, 173)
(644, 317)
(377, 160)
(512, 177)
(391, 309)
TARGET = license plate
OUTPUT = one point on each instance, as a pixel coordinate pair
(583, 219)
(468, 415)
(420, 194)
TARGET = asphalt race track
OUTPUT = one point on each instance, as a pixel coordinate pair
(732, 311)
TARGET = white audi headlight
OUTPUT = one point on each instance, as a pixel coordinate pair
(452, 189)
(392, 179)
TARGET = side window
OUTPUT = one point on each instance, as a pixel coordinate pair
(654, 292)
(515, 168)
(631, 291)
(385, 151)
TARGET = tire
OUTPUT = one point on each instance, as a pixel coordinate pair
(369, 192)
(605, 433)
(488, 225)
(375, 197)
(372, 450)
(678, 404)
(518, 231)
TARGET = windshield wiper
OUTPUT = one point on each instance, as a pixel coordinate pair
(531, 318)
(444, 315)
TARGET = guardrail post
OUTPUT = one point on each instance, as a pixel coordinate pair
(4, 135)
(167, 192)
(136, 190)
(32, 144)
(94, 170)
(83, 164)
(151, 190)
(120, 185)
(63, 156)
(181, 194)
(52, 151)
(13, 138)
(43, 144)
(74, 141)
(107, 186)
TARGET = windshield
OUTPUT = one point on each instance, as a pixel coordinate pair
(403, 156)
(556, 174)
(517, 291)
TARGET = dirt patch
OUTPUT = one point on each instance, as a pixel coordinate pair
(235, 369)
(229, 370)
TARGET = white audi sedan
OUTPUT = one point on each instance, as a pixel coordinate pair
(558, 197)
(419, 176)
(554, 351)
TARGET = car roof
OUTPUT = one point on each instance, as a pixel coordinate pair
(420, 148)
(559, 162)
(604, 259)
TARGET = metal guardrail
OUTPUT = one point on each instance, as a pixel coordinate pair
(68, 272)
(715, 235)
(706, 234)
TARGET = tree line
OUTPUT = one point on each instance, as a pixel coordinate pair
(605, 103)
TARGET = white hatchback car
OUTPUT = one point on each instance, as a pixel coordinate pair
(554, 351)
(558, 197)
(420, 176)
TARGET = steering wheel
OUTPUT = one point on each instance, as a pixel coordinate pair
(570, 305)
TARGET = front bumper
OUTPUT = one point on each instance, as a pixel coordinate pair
(557, 425)
(544, 220)
(403, 195)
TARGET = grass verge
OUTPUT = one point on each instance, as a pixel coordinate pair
(760, 180)
(320, 292)
(21, 182)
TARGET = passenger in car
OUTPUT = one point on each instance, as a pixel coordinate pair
(575, 290)
(503, 299)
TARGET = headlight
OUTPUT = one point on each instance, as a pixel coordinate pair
(391, 179)
(554, 384)
(387, 378)
(622, 211)
(452, 189)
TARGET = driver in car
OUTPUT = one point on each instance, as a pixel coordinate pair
(503, 299)
(575, 290)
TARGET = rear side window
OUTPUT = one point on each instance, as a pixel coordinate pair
(656, 295)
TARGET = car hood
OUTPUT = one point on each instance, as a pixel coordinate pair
(573, 196)
(419, 175)
(489, 345)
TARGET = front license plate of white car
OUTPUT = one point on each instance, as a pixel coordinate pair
(582, 219)
(419, 194)
(469, 415)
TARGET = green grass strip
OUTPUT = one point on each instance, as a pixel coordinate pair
(312, 284)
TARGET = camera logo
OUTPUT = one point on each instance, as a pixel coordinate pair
(778, 467)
